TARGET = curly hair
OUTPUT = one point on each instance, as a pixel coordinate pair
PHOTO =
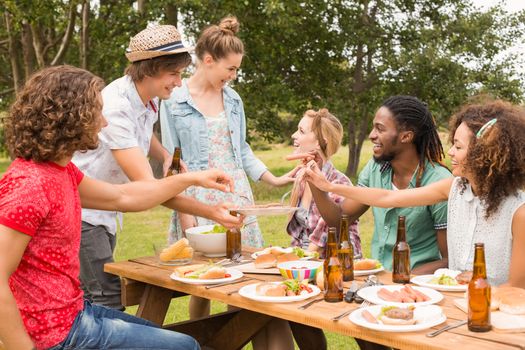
(57, 112)
(495, 159)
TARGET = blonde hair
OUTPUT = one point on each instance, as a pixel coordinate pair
(220, 40)
(329, 133)
(327, 129)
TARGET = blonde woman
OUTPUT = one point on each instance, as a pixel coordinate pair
(205, 117)
(322, 132)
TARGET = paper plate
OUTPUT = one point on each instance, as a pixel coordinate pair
(426, 317)
(370, 294)
(424, 281)
(249, 292)
(235, 275)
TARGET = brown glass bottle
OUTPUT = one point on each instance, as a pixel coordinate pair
(175, 162)
(346, 250)
(233, 240)
(333, 271)
(401, 255)
(479, 293)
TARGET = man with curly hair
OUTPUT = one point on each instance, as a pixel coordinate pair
(131, 102)
(57, 113)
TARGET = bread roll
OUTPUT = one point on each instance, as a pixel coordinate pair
(277, 251)
(265, 261)
(213, 273)
(365, 264)
(511, 300)
(270, 290)
(181, 271)
(287, 257)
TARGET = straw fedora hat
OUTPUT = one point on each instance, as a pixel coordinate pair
(155, 41)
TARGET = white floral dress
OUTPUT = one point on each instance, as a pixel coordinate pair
(221, 156)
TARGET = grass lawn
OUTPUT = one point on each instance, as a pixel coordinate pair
(141, 230)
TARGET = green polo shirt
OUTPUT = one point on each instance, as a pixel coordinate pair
(421, 222)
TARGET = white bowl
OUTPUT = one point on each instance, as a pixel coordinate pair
(210, 244)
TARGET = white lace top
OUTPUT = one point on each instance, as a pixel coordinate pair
(467, 225)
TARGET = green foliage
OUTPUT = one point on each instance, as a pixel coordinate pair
(344, 55)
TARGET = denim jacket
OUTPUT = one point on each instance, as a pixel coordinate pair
(184, 126)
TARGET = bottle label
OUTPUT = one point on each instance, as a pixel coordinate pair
(345, 245)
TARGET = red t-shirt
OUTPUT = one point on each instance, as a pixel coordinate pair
(42, 201)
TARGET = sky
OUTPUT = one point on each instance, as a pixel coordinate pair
(510, 5)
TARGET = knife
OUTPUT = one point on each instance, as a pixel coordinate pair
(351, 294)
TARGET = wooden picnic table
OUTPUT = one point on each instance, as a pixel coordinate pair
(148, 284)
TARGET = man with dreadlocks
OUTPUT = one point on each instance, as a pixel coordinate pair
(407, 153)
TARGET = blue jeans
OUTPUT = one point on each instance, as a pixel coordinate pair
(99, 327)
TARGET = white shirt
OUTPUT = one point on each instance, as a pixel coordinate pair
(130, 124)
(467, 225)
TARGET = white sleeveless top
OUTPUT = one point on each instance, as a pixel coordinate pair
(467, 225)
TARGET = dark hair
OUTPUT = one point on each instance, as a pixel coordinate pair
(495, 160)
(57, 113)
(220, 40)
(151, 67)
(412, 114)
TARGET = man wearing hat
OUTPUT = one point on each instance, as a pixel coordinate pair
(131, 102)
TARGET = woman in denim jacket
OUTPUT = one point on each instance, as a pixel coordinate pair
(206, 119)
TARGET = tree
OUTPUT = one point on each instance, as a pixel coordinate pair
(350, 55)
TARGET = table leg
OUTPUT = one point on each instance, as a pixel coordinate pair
(154, 304)
(238, 331)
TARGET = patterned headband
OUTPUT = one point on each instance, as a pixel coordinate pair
(485, 127)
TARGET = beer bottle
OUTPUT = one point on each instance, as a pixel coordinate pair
(346, 251)
(333, 271)
(233, 240)
(175, 162)
(401, 255)
(479, 293)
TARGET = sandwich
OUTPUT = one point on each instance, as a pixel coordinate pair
(265, 261)
(289, 287)
(366, 264)
(398, 316)
(202, 271)
(510, 300)
(287, 257)
(271, 289)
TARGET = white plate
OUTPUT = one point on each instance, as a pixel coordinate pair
(368, 272)
(426, 316)
(265, 211)
(249, 292)
(235, 275)
(424, 281)
(285, 251)
(370, 294)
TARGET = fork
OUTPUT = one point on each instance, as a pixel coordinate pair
(346, 313)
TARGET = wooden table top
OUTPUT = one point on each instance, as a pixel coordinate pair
(319, 315)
